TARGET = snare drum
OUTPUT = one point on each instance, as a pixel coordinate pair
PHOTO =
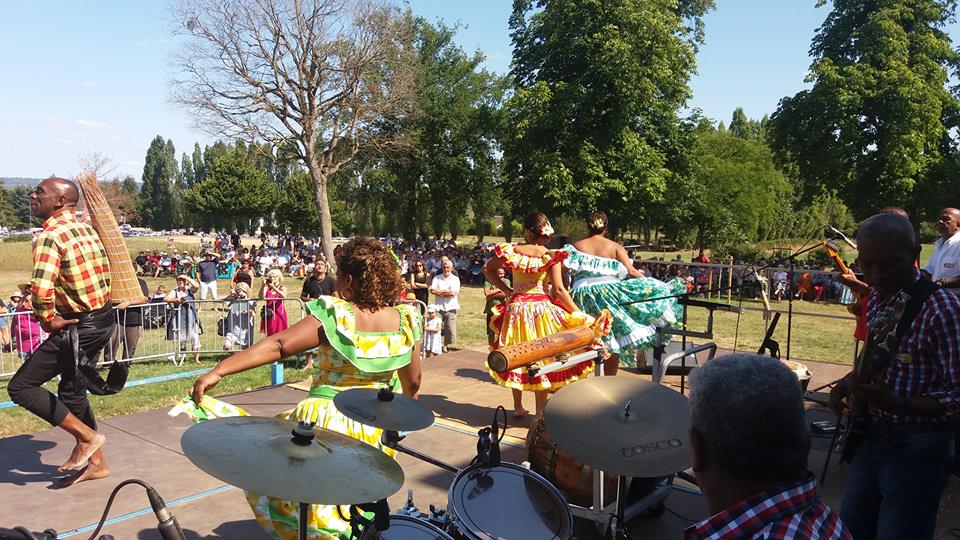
(407, 528)
(507, 501)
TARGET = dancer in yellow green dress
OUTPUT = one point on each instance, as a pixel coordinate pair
(361, 341)
(538, 305)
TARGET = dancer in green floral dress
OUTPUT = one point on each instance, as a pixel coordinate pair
(604, 278)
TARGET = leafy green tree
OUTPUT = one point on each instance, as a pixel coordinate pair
(234, 193)
(8, 214)
(875, 125)
(199, 170)
(593, 118)
(186, 179)
(156, 194)
(129, 186)
(450, 167)
(295, 209)
(740, 124)
(735, 194)
(19, 197)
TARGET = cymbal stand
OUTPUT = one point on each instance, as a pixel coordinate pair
(391, 439)
(303, 435)
(618, 523)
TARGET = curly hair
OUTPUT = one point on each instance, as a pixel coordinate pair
(376, 276)
(597, 223)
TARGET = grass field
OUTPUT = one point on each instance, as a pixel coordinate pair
(812, 338)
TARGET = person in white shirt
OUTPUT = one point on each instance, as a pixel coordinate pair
(432, 328)
(944, 265)
(445, 287)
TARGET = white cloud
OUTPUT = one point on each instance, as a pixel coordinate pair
(89, 84)
(90, 124)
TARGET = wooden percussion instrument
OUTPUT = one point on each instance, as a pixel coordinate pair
(123, 278)
(568, 341)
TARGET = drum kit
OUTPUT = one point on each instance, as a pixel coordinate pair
(624, 426)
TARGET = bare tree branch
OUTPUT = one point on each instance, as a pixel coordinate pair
(324, 74)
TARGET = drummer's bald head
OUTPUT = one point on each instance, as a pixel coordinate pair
(747, 419)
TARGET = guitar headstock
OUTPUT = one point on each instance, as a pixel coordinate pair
(833, 250)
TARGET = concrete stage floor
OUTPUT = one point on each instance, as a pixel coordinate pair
(147, 446)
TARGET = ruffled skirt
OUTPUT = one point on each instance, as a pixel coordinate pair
(277, 516)
(526, 318)
(634, 324)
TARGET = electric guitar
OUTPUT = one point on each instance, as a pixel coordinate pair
(875, 354)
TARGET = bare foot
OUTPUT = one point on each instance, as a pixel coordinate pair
(82, 452)
(519, 413)
(90, 472)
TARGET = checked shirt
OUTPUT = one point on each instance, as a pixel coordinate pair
(794, 513)
(928, 363)
(70, 269)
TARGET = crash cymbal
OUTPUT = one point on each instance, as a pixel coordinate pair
(383, 409)
(260, 455)
(622, 425)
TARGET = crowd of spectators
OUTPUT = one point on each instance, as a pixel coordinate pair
(810, 282)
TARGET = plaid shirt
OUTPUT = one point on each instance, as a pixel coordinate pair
(928, 363)
(70, 269)
(794, 512)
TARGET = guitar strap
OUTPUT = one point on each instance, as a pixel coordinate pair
(919, 292)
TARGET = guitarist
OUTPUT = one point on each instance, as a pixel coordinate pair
(913, 393)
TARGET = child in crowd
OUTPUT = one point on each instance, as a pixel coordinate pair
(25, 328)
(432, 340)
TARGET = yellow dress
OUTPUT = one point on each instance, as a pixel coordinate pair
(531, 314)
(349, 359)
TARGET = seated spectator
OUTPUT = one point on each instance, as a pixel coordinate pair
(140, 263)
(749, 440)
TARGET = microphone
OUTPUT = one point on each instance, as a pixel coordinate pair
(168, 527)
(836, 234)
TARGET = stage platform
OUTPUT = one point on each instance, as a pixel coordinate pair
(147, 446)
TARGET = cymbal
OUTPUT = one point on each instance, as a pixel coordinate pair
(259, 455)
(396, 412)
(622, 425)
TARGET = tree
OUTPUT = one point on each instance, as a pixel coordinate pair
(199, 171)
(156, 192)
(234, 193)
(186, 179)
(19, 197)
(295, 208)
(451, 166)
(735, 193)
(129, 186)
(8, 214)
(875, 125)
(593, 119)
(320, 74)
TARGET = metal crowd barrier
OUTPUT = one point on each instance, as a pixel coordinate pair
(20, 335)
(162, 333)
(166, 331)
(723, 276)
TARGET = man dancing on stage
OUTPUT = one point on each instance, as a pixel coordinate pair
(70, 292)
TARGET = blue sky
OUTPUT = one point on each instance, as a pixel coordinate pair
(82, 77)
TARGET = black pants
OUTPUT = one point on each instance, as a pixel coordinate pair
(55, 357)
